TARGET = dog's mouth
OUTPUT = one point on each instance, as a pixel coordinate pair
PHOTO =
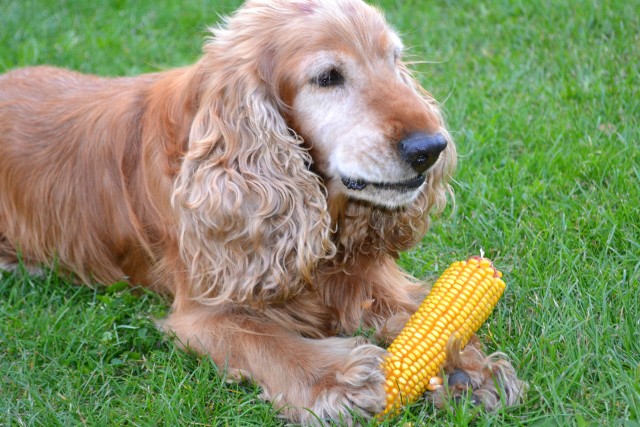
(402, 186)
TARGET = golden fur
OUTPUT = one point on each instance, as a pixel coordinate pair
(217, 183)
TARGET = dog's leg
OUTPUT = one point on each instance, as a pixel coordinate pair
(307, 379)
(370, 294)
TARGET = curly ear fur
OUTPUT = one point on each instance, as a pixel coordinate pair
(253, 218)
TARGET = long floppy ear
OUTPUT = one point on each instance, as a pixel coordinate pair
(253, 218)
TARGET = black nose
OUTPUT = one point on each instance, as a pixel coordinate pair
(422, 150)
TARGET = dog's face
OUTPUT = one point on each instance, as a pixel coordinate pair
(373, 135)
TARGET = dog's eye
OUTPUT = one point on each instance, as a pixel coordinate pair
(330, 77)
(397, 55)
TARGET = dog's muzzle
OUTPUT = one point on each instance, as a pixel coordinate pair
(420, 151)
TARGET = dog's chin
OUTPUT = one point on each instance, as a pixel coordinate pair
(386, 194)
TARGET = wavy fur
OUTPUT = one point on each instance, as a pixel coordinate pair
(244, 164)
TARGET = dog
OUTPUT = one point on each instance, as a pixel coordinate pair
(268, 189)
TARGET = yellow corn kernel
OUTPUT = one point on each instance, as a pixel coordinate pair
(459, 303)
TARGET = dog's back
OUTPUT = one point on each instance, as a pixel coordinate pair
(69, 153)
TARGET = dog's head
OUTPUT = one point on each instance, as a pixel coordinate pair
(337, 68)
(297, 99)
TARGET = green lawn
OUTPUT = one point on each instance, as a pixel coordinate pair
(543, 99)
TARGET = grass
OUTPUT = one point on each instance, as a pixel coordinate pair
(543, 99)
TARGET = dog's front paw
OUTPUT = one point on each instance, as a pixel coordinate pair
(487, 381)
(356, 388)
(349, 391)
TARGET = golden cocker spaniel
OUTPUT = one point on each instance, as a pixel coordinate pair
(268, 188)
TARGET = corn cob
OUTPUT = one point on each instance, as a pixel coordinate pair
(458, 304)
